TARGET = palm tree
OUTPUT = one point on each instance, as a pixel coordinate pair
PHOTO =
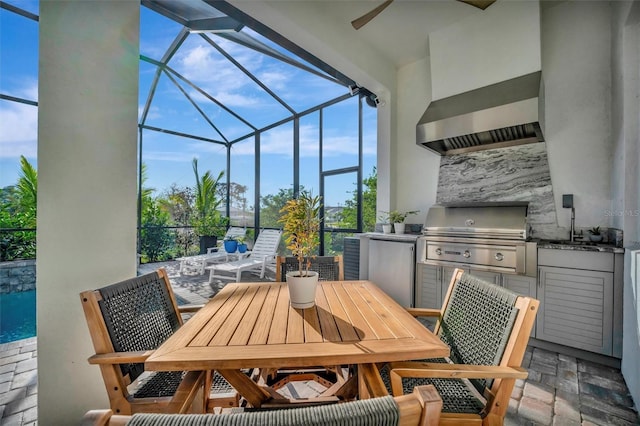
(208, 221)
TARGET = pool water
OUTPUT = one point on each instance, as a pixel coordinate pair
(17, 316)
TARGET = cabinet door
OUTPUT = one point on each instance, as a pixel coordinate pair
(428, 288)
(493, 277)
(520, 284)
(576, 308)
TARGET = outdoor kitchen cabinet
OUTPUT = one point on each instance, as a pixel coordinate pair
(580, 304)
(433, 281)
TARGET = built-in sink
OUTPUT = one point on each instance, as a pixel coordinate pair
(588, 245)
(570, 243)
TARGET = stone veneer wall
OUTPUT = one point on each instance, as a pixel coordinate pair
(519, 173)
(17, 276)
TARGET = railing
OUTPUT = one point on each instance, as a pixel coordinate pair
(155, 243)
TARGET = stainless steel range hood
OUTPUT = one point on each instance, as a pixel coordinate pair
(502, 114)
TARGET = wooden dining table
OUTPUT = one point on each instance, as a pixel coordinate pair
(252, 326)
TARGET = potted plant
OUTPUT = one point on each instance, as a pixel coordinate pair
(230, 244)
(208, 223)
(301, 225)
(242, 245)
(595, 234)
(397, 218)
(385, 222)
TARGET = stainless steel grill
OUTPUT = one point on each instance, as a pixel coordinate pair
(489, 237)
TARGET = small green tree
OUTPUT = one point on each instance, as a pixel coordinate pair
(271, 204)
(301, 220)
(207, 220)
(348, 216)
(18, 210)
(156, 241)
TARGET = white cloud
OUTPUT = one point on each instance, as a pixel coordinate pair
(19, 130)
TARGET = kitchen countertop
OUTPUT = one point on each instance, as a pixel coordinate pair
(410, 238)
(579, 246)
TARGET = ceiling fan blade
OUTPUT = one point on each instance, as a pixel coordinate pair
(480, 4)
(361, 21)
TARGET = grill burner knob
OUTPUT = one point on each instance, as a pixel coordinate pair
(499, 257)
(466, 254)
(439, 251)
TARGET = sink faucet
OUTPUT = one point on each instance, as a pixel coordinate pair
(573, 234)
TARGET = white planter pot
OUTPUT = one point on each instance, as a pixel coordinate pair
(302, 290)
(398, 228)
(386, 228)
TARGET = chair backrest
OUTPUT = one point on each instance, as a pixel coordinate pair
(329, 268)
(477, 321)
(420, 408)
(235, 232)
(266, 244)
(136, 314)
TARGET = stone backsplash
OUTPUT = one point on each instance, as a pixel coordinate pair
(519, 173)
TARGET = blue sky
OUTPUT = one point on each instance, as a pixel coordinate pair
(168, 158)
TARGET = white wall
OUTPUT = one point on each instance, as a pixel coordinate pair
(417, 168)
(576, 68)
(625, 178)
(87, 145)
(475, 52)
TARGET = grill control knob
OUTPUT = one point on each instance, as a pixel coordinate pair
(469, 222)
(439, 251)
(499, 257)
(466, 254)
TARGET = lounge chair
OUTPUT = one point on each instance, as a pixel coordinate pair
(263, 254)
(213, 254)
(420, 408)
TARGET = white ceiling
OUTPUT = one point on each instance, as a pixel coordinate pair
(400, 32)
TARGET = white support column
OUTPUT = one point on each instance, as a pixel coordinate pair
(87, 149)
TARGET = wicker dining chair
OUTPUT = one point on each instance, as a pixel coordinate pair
(329, 268)
(487, 328)
(127, 321)
(420, 408)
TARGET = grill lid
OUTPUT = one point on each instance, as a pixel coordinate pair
(487, 220)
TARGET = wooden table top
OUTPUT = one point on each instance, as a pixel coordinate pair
(249, 325)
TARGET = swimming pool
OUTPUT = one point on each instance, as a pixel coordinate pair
(17, 316)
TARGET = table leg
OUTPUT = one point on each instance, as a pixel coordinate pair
(246, 387)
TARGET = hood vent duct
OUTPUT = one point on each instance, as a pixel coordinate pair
(502, 114)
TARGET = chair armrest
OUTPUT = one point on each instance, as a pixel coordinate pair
(132, 357)
(189, 308)
(456, 371)
(422, 407)
(431, 370)
(103, 418)
(423, 312)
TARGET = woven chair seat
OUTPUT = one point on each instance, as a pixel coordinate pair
(165, 383)
(457, 395)
(377, 411)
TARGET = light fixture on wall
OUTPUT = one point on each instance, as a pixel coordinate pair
(374, 101)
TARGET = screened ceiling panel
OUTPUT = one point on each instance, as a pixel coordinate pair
(297, 87)
(171, 110)
(200, 63)
(156, 33)
(233, 81)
